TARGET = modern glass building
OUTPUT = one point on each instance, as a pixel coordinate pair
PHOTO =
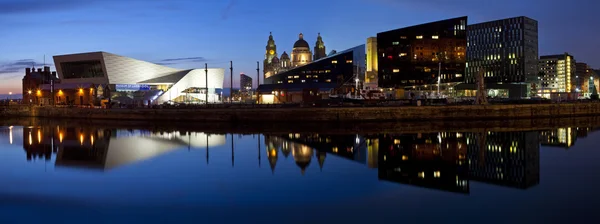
(130, 80)
(245, 83)
(506, 51)
(423, 55)
(335, 73)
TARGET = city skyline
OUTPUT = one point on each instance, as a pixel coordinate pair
(172, 34)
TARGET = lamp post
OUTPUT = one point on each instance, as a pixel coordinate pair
(356, 90)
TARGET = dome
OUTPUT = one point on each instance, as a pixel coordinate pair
(285, 56)
(301, 42)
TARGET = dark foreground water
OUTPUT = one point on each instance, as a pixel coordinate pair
(73, 174)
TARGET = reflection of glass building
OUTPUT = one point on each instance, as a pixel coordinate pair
(129, 79)
(317, 79)
(561, 137)
(91, 148)
(507, 52)
(435, 160)
(411, 57)
(504, 158)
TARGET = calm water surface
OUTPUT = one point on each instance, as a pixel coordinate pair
(78, 174)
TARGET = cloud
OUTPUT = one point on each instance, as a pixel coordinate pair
(18, 66)
(225, 13)
(182, 60)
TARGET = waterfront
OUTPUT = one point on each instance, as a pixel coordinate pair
(70, 171)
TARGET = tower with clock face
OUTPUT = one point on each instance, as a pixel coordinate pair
(270, 54)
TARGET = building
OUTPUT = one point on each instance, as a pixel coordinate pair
(372, 71)
(32, 83)
(126, 80)
(316, 80)
(586, 79)
(561, 137)
(245, 83)
(557, 74)
(419, 57)
(506, 51)
(301, 55)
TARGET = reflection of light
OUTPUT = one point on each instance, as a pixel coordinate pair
(357, 140)
(335, 149)
(30, 139)
(81, 139)
(422, 174)
(404, 157)
(273, 152)
(436, 174)
(60, 137)
(10, 134)
(92, 139)
(39, 134)
(396, 141)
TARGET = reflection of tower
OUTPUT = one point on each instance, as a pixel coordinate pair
(285, 150)
(319, 48)
(504, 158)
(373, 152)
(321, 157)
(301, 53)
(272, 156)
(302, 155)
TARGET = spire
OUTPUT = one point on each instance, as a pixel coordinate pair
(301, 36)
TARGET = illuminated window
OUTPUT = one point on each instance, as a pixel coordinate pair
(303, 81)
(327, 71)
(458, 75)
(289, 77)
(403, 37)
(395, 43)
(334, 62)
(279, 81)
(348, 61)
(435, 37)
(290, 81)
(396, 70)
(328, 80)
(296, 76)
(308, 76)
(315, 76)
(402, 54)
(419, 37)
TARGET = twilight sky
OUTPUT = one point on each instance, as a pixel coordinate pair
(189, 33)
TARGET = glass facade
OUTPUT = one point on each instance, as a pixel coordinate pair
(82, 69)
(245, 82)
(506, 50)
(339, 69)
(414, 55)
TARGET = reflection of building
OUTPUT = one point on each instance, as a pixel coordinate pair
(315, 80)
(507, 52)
(412, 57)
(129, 80)
(559, 73)
(504, 158)
(561, 137)
(81, 147)
(302, 155)
(436, 160)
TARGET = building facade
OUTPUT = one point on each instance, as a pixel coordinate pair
(33, 82)
(586, 79)
(300, 55)
(371, 74)
(506, 51)
(422, 56)
(245, 83)
(135, 81)
(333, 74)
(557, 74)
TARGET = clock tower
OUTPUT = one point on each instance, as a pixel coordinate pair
(270, 53)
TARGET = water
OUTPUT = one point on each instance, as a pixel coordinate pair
(69, 173)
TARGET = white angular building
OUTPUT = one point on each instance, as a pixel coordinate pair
(133, 80)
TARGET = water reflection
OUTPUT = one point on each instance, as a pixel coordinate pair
(446, 161)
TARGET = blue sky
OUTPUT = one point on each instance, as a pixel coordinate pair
(217, 31)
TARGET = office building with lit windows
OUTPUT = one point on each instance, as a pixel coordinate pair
(506, 51)
(245, 83)
(318, 79)
(586, 79)
(559, 74)
(410, 58)
(561, 137)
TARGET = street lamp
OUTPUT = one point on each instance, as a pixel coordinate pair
(356, 92)
(29, 93)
